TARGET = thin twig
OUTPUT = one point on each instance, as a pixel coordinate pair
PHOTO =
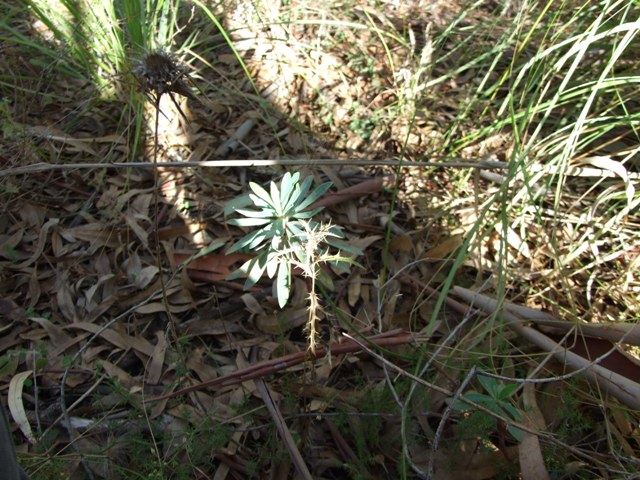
(47, 167)
(445, 416)
(269, 367)
(282, 428)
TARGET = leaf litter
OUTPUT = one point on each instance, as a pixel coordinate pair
(78, 250)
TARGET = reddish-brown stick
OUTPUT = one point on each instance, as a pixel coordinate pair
(268, 367)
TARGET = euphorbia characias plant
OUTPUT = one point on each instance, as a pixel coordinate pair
(285, 235)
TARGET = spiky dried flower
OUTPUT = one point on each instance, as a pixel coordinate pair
(159, 73)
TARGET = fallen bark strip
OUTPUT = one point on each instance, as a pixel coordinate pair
(373, 185)
(628, 333)
(268, 367)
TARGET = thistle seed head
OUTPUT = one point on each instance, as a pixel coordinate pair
(158, 72)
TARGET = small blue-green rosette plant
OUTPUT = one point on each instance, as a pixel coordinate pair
(284, 234)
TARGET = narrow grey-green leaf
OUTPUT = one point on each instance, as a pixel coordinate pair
(248, 222)
(275, 198)
(273, 258)
(315, 195)
(325, 280)
(262, 236)
(252, 240)
(256, 271)
(260, 196)
(287, 185)
(344, 246)
(276, 243)
(244, 241)
(308, 213)
(283, 283)
(341, 262)
(297, 229)
(242, 270)
(299, 193)
(232, 205)
(254, 213)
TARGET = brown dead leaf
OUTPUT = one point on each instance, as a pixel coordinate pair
(197, 364)
(212, 326)
(295, 140)
(54, 353)
(252, 305)
(124, 342)
(281, 321)
(392, 295)
(96, 235)
(116, 372)
(34, 289)
(140, 232)
(365, 242)
(64, 297)
(532, 463)
(16, 406)
(444, 249)
(57, 335)
(8, 244)
(471, 466)
(157, 359)
(218, 265)
(354, 288)
(186, 412)
(42, 241)
(51, 133)
(155, 307)
(176, 437)
(141, 204)
(10, 310)
(32, 216)
(401, 244)
(104, 288)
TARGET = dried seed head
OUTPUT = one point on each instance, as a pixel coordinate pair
(159, 73)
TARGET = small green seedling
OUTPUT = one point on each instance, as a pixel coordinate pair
(497, 400)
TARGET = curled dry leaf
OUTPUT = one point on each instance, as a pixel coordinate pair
(122, 341)
(57, 335)
(155, 307)
(10, 310)
(16, 407)
(42, 240)
(281, 321)
(218, 266)
(532, 463)
(8, 244)
(157, 359)
(354, 288)
(444, 249)
(116, 372)
(401, 244)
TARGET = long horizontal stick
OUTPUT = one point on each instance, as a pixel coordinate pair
(270, 366)
(45, 167)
